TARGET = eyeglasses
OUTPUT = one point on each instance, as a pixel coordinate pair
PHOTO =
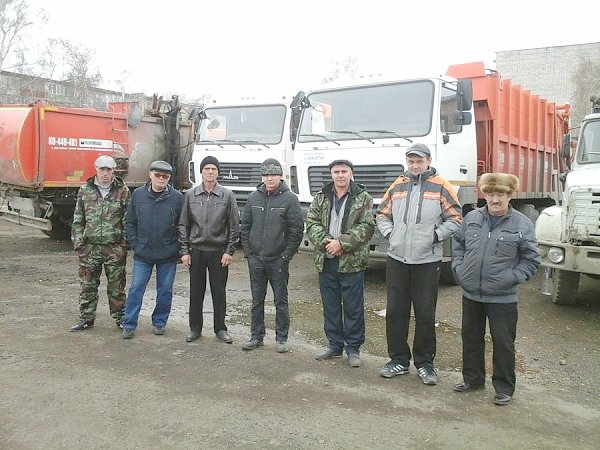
(164, 176)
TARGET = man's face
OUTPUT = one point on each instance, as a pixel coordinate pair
(105, 175)
(210, 173)
(341, 175)
(271, 182)
(497, 202)
(416, 165)
(159, 180)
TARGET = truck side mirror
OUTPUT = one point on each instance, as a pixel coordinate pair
(565, 151)
(462, 118)
(465, 95)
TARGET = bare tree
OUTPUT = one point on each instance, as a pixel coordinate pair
(586, 83)
(14, 20)
(77, 61)
(343, 67)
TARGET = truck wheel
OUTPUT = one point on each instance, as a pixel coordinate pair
(447, 274)
(565, 285)
(59, 231)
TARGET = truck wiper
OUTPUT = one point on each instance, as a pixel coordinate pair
(231, 141)
(204, 141)
(386, 132)
(321, 136)
(255, 142)
(355, 133)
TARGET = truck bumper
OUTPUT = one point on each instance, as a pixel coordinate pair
(582, 259)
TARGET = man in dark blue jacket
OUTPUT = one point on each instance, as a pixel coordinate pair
(271, 228)
(493, 251)
(151, 226)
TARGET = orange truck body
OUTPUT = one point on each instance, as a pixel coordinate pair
(517, 131)
(48, 152)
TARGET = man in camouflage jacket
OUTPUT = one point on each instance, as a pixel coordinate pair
(98, 235)
(340, 223)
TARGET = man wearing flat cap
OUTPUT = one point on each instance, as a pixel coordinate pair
(271, 228)
(340, 224)
(208, 231)
(98, 235)
(418, 211)
(151, 225)
(493, 251)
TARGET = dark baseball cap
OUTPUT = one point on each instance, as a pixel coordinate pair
(342, 161)
(420, 150)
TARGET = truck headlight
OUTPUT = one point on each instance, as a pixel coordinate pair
(556, 255)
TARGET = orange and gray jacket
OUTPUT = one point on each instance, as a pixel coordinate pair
(209, 220)
(416, 214)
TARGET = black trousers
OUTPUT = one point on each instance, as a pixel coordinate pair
(502, 319)
(413, 285)
(217, 276)
(277, 273)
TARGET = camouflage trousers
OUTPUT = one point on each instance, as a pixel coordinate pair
(92, 258)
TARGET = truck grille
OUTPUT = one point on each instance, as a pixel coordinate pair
(584, 217)
(375, 178)
(240, 174)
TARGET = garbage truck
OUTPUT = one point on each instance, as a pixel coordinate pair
(472, 119)
(47, 152)
(569, 233)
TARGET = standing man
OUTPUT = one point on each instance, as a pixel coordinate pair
(272, 229)
(418, 211)
(151, 225)
(340, 224)
(208, 231)
(98, 235)
(493, 251)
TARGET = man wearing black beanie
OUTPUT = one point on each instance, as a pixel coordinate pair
(210, 160)
(208, 231)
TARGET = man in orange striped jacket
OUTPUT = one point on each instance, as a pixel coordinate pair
(419, 210)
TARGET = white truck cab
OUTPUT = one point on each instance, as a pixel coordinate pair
(241, 135)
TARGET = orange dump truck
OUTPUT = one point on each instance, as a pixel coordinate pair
(517, 132)
(47, 153)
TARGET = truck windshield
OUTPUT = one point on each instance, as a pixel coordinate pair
(255, 124)
(589, 143)
(369, 112)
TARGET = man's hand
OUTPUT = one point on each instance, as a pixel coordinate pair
(186, 260)
(226, 259)
(333, 247)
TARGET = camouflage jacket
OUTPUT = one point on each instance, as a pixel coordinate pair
(98, 220)
(358, 226)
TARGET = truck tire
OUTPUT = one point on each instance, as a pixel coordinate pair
(59, 231)
(565, 285)
(447, 274)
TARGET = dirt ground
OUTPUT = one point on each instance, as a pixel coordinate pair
(95, 390)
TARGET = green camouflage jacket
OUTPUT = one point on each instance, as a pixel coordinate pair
(358, 226)
(97, 220)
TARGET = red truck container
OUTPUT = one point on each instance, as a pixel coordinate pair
(47, 153)
(518, 133)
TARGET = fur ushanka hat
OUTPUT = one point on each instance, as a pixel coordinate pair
(498, 182)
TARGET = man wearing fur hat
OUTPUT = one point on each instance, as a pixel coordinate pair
(208, 231)
(493, 251)
(271, 228)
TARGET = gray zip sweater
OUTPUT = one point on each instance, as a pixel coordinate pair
(489, 264)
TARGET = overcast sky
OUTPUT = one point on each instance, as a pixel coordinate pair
(232, 48)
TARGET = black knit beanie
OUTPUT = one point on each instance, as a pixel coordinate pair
(210, 160)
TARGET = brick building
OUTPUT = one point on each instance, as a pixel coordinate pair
(559, 74)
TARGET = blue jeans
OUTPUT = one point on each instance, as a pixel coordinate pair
(343, 299)
(165, 275)
(277, 273)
